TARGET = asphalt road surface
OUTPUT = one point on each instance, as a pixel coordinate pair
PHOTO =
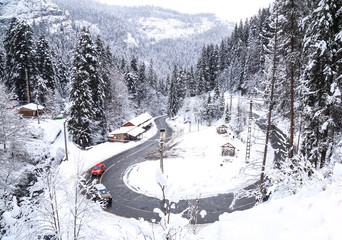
(130, 204)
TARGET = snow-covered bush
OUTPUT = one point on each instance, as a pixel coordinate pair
(292, 175)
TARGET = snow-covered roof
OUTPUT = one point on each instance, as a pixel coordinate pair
(32, 106)
(136, 131)
(146, 124)
(228, 145)
(142, 118)
(131, 130)
(122, 130)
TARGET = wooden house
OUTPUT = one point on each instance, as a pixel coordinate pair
(125, 134)
(120, 134)
(132, 130)
(228, 150)
(222, 129)
(31, 110)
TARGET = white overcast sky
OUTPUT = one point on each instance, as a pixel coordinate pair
(232, 10)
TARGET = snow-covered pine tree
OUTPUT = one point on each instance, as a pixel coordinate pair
(19, 47)
(227, 116)
(213, 65)
(200, 76)
(173, 101)
(190, 83)
(62, 72)
(2, 64)
(45, 71)
(141, 85)
(106, 65)
(131, 77)
(323, 81)
(238, 56)
(152, 77)
(82, 114)
(97, 85)
(253, 68)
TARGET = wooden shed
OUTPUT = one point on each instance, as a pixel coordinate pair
(222, 129)
(228, 150)
(31, 110)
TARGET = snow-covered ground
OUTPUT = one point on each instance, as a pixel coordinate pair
(194, 169)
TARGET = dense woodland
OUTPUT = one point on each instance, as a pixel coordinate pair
(289, 54)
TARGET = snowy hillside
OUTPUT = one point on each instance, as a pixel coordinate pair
(172, 28)
(35, 12)
(168, 37)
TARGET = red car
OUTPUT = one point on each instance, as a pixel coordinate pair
(98, 169)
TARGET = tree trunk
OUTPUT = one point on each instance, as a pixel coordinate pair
(292, 82)
(271, 99)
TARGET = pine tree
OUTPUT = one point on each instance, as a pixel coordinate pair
(227, 116)
(200, 76)
(208, 110)
(141, 85)
(152, 77)
(323, 86)
(19, 49)
(63, 73)
(45, 71)
(131, 77)
(173, 101)
(82, 114)
(106, 65)
(191, 83)
(2, 65)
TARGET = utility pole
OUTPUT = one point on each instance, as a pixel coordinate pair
(161, 148)
(65, 141)
(38, 113)
(249, 133)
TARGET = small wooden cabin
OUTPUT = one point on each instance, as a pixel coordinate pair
(228, 150)
(132, 130)
(222, 129)
(31, 110)
(126, 134)
(120, 134)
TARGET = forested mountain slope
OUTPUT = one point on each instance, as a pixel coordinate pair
(166, 36)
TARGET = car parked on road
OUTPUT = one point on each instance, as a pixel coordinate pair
(102, 195)
(98, 169)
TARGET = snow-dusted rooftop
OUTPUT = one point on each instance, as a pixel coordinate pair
(122, 130)
(136, 131)
(138, 120)
(32, 106)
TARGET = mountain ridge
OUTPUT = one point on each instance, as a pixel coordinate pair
(166, 36)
